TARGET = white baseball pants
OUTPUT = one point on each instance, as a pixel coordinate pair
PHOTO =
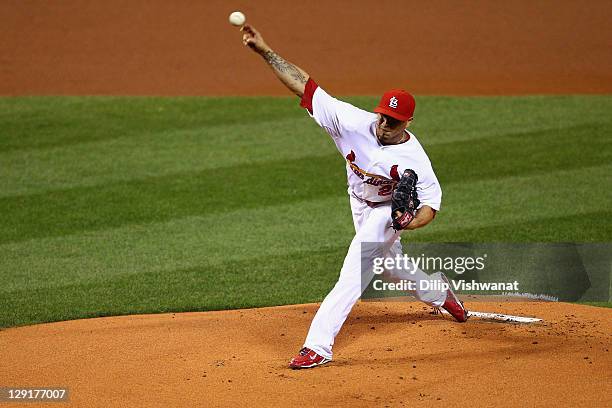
(372, 225)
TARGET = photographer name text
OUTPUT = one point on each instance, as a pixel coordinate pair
(459, 285)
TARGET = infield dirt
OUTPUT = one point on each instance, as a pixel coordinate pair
(387, 354)
(158, 47)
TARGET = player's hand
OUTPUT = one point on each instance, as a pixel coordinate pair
(253, 39)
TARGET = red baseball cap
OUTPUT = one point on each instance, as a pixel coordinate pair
(398, 104)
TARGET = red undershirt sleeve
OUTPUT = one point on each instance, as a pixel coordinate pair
(309, 90)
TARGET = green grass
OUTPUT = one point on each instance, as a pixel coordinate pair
(135, 205)
(599, 304)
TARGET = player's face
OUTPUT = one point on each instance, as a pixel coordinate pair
(389, 130)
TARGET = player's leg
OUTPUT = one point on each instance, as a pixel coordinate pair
(375, 228)
(338, 303)
(359, 211)
(444, 298)
(423, 282)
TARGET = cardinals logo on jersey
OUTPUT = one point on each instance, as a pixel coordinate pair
(350, 157)
(394, 173)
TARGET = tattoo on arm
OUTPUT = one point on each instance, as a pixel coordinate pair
(284, 67)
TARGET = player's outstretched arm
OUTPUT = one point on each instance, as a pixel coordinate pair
(291, 75)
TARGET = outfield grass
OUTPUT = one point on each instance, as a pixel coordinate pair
(133, 205)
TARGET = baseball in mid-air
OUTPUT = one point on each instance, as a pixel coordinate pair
(237, 18)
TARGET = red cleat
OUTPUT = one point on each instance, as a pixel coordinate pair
(307, 359)
(453, 305)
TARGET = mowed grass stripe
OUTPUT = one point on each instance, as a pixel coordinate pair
(214, 239)
(296, 277)
(528, 229)
(59, 143)
(178, 244)
(541, 151)
(162, 198)
(259, 184)
(159, 153)
(178, 152)
(513, 200)
(293, 277)
(43, 122)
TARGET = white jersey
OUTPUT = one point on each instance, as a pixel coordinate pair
(373, 169)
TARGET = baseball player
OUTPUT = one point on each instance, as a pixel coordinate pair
(391, 185)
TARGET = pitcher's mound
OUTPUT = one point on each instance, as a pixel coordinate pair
(392, 354)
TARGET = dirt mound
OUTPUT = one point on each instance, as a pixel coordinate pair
(387, 353)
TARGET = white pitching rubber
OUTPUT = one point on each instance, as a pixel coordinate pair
(504, 318)
(501, 317)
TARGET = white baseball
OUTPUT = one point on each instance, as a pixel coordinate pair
(237, 18)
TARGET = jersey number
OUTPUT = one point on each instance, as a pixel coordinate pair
(385, 190)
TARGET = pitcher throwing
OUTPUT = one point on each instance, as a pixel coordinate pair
(391, 185)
